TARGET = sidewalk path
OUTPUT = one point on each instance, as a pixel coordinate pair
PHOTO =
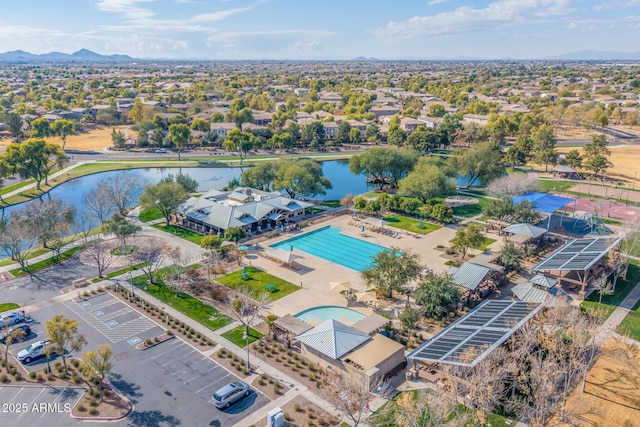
(52, 176)
(608, 329)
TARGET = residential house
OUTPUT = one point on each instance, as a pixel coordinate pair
(222, 129)
(262, 119)
(479, 119)
(409, 124)
(384, 111)
(301, 91)
(330, 129)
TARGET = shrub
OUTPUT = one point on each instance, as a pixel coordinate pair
(321, 421)
(32, 375)
(49, 377)
(271, 381)
(169, 333)
(93, 402)
(238, 367)
(276, 389)
(260, 381)
(318, 384)
(93, 411)
(3, 378)
(62, 375)
(81, 408)
(287, 417)
(297, 407)
(17, 376)
(221, 353)
(75, 379)
(39, 378)
(75, 362)
(147, 342)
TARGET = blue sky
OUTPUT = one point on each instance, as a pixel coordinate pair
(325, 29)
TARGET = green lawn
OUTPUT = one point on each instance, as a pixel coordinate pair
(180, 232)
(630, 325)
(185, 303)
(257, 281)
(119, 272)
(236, 336)
(484, 246)
(547, 185)
(611, 302)
(467, 211)
(8, 261)
(6, 306)
(411, 224)
(46, 262)
(331, 203)
(152, 214)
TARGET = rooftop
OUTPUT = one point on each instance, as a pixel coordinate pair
(577, 255)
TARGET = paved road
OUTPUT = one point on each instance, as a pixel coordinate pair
(169, 384)
(37, 406)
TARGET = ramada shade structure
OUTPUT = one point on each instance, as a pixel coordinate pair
(476, 334)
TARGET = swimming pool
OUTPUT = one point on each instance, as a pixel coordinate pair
(329, 243)
(327, 312)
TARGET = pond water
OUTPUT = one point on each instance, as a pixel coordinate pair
(73, 192)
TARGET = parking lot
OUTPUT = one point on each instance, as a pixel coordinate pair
(171, 383)
(36, 406)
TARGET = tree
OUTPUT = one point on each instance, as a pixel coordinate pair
(16, 237)
(349, 396)
(121, 190)
(313, 135)
(515, 157)
(49, 221)
(397, 136)
(408, 317)
(200, 124)
(98, 202)
(372, 133)
(247, 308)
(504, 209)
(14, 123)
(384, 165)
(16, 335)
(596, 153)
(100, 362)
(137, 111)
(62, 129)
(240, 142)
(544, 146)
(121, 228)
(180, 135)
(355, 136)
(149, 256)
(511, 257)
(573, 159)
(469, 237)
(5, 172)
(342, 134)
(235, 234)
(164, 196)
(436, 295)
(64, 336)
(482, 161)
(260, 176)
(118, 139)
(436, 110)
(187, 182)
(428, 179)
(391, 270)
(35, 158)
(603, 287)
(300, 177)
(40, 128)
(513, 185)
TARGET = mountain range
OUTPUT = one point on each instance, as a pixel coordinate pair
(83, 55)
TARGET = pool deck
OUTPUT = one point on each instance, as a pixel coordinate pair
(315, 273)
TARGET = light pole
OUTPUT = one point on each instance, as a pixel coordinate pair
(246, 338)
(133, 294)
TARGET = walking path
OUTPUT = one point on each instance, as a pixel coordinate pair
(52, 176)
(608, 329)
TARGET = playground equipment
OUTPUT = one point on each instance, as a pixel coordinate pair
(590, 223)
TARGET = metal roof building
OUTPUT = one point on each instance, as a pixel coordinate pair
(469, 275)
(476, 334)
(333, 339)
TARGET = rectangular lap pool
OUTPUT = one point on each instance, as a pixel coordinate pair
(329, 243)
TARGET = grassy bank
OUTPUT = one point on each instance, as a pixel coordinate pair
(411, 224)
(6, 306)
(236, 336)
(180, 232)
(257, 282)
(611, 302)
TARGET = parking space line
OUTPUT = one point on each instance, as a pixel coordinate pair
(169, 362)
(34, 399)
(54, 401)
(167, 350)
(210, 384)
(16, 395)
(191, 379)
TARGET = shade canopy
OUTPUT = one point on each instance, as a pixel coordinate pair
(525, 229)
(547, 203)
(340, 286)
(368, 296)
(282, 255)
(376, 222)
(577, 255)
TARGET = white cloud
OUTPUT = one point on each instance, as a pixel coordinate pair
(500, 13)
(262, 42)
(128, 8)
(219, 15)
(434, 2)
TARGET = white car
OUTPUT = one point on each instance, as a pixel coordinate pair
(161, 150)
(10, 319)
(33, 351)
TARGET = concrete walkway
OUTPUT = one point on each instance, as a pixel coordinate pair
(608, 328)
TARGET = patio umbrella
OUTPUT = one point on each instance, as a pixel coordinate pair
(340, 286)
(365, 297)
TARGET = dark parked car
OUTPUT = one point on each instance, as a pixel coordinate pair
(230, 394)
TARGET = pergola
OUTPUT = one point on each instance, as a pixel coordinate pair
(476, 334)
(588, 258)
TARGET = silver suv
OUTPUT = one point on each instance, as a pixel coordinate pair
(230, 394)
(33, 351)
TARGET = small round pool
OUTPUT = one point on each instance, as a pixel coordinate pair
(327, 312)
